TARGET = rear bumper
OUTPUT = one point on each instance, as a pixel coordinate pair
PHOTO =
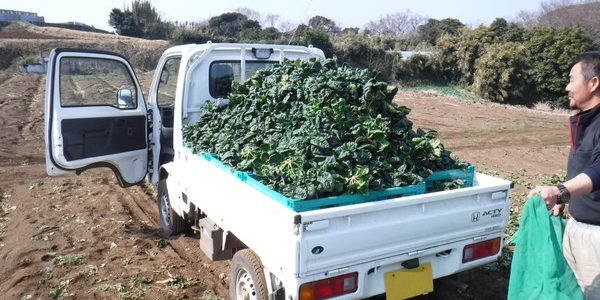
(445, 260)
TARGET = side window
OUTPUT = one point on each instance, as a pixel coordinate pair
(165, 96)
(96, 81)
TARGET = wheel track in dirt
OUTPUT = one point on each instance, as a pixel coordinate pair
(35, 108)
(4, 86)
(3, 79)
(21, 104)
(21, 114)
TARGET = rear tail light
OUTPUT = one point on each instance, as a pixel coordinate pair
(329, 287)
(480, 250)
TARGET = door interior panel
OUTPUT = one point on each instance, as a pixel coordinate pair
(84, 138)
(166, 130)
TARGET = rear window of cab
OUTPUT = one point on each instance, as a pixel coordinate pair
(223, 73)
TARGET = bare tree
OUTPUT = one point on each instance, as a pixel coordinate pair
(285, 26)
(250, 13)
(553, 13)
(270, 20)
(527, 19)
(396, 24)
(563, 13)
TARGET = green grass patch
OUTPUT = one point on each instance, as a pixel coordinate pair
(60, 290)
(162, 243)
(445, 90)
(69, 260)
(47, 271)
(27, 60)
(181, 282)
(553, 179)
(135, 289)
(210, 295)
(127, 261)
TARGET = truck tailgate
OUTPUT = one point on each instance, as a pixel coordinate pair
(339, 237)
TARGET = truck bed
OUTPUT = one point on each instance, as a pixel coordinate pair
(298, 244)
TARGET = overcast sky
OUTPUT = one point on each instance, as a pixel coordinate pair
(345, 13)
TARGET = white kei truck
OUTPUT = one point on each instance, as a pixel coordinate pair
(96, 116)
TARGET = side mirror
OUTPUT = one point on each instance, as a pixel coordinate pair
(125, 98)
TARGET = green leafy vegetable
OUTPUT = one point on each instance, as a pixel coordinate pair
(311, 129)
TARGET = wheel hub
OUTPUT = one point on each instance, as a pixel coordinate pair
(245, 286)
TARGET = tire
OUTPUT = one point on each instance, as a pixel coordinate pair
(246, 277)
(170, 222)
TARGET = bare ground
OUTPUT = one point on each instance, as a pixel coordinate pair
(85, 237)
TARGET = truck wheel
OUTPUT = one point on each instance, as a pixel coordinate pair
(170, 222)
(246, 277)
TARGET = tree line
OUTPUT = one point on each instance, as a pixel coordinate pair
(523, 61)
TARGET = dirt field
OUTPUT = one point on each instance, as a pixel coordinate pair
(85, 237)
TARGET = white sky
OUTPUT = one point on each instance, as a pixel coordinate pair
(345, 13)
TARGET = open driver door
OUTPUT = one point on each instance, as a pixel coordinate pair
(94, 115)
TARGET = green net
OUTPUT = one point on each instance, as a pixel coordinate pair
(539, 269)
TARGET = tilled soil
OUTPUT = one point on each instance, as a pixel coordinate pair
(85, 237)
(82, 237)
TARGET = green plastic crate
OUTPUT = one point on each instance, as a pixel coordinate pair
(300, 205)
(468, 175)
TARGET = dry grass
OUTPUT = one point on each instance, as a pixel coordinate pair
(21, 39)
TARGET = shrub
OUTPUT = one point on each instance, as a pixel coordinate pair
(182, 35)
(417, 69)
(8, 55)
(366, 52)
(501, 73)
(27, 60)
(447, 59)
(552, 51)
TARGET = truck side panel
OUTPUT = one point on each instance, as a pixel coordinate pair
(401, 226)
(260, 223)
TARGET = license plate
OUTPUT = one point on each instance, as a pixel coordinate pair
(407, 283)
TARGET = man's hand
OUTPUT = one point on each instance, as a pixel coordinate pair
(550, 195)
(558, 209)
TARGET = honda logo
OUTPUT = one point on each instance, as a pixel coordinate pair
(475, 217)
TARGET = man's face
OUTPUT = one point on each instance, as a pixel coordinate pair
(579, 89)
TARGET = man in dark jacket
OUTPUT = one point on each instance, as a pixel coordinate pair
(581, 242)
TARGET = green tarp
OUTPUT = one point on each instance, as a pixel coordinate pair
(539, 269)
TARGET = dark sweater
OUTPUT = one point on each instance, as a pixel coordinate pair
(584, 157)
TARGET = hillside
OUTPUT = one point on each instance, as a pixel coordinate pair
(24, 39)
(585, 15)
